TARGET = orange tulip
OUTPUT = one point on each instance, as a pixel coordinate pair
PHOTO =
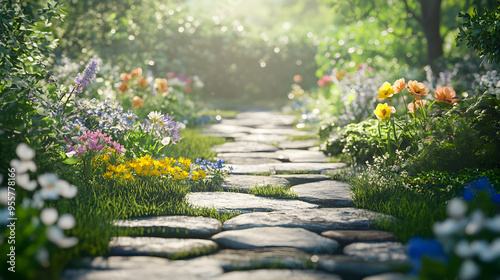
(125, 77)
(162, 85)
(446, 94)
(417, 89)
(137, 102)
(142, 83)
(399, 85)
(123, 87)
(136, 73)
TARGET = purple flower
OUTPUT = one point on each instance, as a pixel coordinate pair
(88, 75)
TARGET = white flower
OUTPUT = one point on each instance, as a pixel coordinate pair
(26, 156)
(463, 249)
(49, 216)
(65, 189)
(469, 270)
(56, 236)
(71, 154)
(491, 253)
(447, 227)
(456, 208)
(23, 180)
(493, 224)
(477, 222)
(181, 125)
(154, 116)
(165, 141)
(52, 187)
(66, 221)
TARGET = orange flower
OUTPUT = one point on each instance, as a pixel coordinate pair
(142, 83)
(125, 77)
(399, 85)
(137, 102)
(297, 78)
(446, 94)
(162, 85)
(417, 89)
(136, 73)
(413, 106)
(123, 87)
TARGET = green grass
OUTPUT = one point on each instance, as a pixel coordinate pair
(273, 191)
(302, 137)
(415, 213)
(195, 145)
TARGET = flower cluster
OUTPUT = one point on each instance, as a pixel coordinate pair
(93, 141)
(183, 83)
(469, 236)
(324, 81)
(104, 115)
(81, 80)
(51, 189)
(147, 166)
(162, 127)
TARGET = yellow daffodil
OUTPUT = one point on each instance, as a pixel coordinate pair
(383, 111)
(385, 91)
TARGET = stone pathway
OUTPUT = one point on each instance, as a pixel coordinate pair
(319, 235)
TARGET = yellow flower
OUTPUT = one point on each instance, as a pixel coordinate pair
(108, 175)
(155, 173)
(121, 168)
(386, 90)
(184, 175)
(202, 174)
(129, 176)
(383, 111)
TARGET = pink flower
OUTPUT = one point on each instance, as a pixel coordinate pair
(170, 75)
(324, 81)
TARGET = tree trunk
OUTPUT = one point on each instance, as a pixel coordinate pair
(430, 21)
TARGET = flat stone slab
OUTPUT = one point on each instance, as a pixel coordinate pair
(133, 268)
(249, 161)
(275, 274)
(298, 144)
(173, 226)
(270, 237)
(242, 202)
(351, 268)
(282, 131)
(317, 220)
(285, 167)
(389, 276)
(243, 147)
(226, 129)
(328, 192)
(303, 155)
(377, 251)
(268, 117)
(297, 179)
(345, 237)
(160, 247)
(246, 182)
(231, 259)
(264, 138)
(270, 155)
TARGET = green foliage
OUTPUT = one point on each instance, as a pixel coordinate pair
(273, 191)
(26, 41)
(195, 145)
(229, 59)
(481, 31)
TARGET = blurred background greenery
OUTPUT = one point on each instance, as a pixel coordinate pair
(247, 52)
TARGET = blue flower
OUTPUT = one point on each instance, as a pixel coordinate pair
(481, 185)
(418, 247)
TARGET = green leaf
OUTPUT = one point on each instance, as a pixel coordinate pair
(70, 160)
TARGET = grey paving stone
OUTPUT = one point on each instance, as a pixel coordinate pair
(231, 259)
(377, 251)
(317, 220)
(242, 202)
(160, 247)
(273, 118)
(345, 237)
(226, 129)
(328, 192)
(282, 131)
(246, 182)
(285, 167)
(297, 179)
(303, 155)
(351, 268)
(133, 268)
(389, 276)
(269, 237)
(243, 147)
(248, 161)
(173, 226)
(263, 138)
(298, 144)
(275, 274)
(270, 155)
